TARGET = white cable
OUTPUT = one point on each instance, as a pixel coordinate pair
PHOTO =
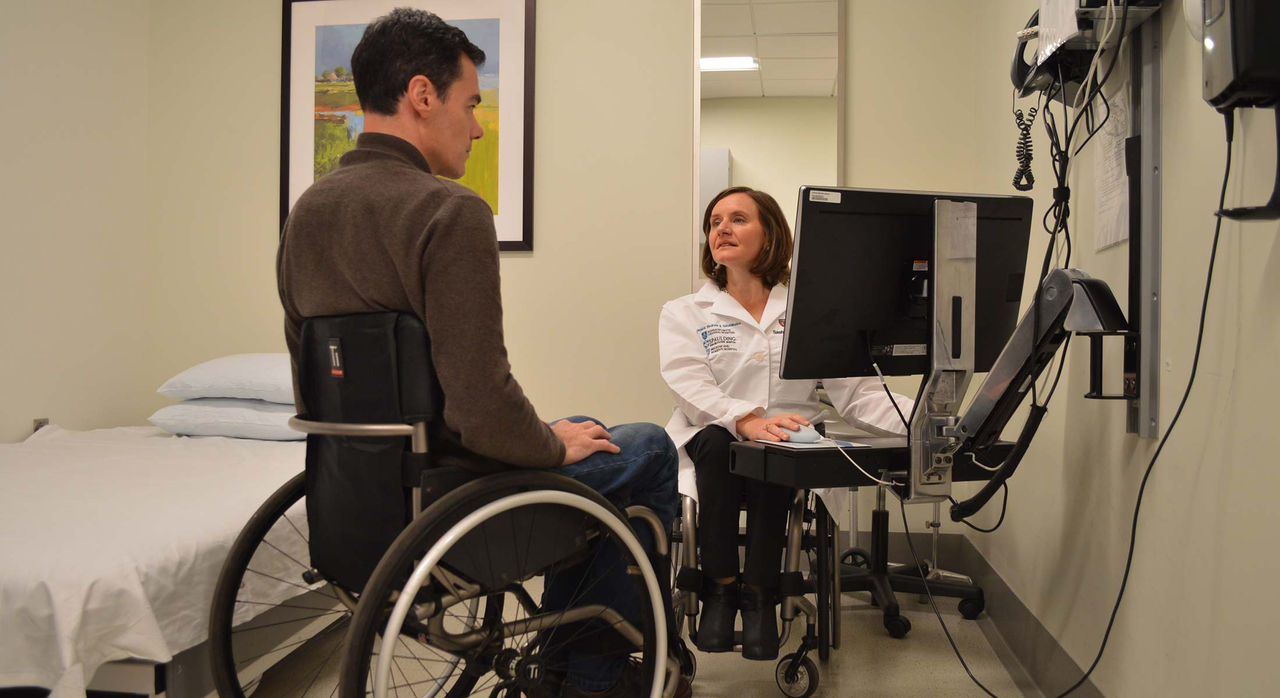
(1080, 101)
(859, 467)
(984, 467)
(1107, 30)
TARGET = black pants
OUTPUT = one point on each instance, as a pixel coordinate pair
(719, 494)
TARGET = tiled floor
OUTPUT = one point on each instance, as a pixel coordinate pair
(870, 663)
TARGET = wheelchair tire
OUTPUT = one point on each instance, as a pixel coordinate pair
(264, 611)
(503, 656)
(798, 684)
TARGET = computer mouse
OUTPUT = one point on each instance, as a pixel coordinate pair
(804, 435)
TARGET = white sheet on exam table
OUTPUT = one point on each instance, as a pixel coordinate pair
(111, 542)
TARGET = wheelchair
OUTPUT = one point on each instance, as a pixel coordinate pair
(378, 572)
(811, 534)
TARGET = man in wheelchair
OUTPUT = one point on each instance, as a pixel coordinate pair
(385, 232)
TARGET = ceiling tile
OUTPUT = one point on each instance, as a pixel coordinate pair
(798, 68)
(730, 85)
(728, 46)
(726, 20)
(799, 88)
(794, 18)
(822, 46)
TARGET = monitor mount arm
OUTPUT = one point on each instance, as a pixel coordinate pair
(1068, 301)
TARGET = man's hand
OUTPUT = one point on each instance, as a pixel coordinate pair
(773, 428)
(581, 439)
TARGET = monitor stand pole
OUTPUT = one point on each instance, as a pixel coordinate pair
(870, 571)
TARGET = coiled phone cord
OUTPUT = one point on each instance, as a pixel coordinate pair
(1023, 179)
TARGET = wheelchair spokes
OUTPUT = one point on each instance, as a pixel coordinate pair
(275, 628)
(549, 601)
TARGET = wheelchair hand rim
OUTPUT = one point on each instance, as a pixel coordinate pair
(424, 567)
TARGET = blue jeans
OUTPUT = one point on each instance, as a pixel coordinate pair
(643, 474)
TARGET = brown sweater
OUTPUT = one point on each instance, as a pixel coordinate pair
(382, 233)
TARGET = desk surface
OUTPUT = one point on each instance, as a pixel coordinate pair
(816, 468)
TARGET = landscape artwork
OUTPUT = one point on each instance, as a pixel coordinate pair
(339, 119)
(321, 116)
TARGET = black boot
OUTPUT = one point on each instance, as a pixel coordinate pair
(759, 623)
(719, 610)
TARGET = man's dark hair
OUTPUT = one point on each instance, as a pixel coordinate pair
(404, 43)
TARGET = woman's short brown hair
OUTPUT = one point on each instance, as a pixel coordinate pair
(772, 266)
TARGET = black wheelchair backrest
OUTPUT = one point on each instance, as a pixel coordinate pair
(371, 368)
(367, 368)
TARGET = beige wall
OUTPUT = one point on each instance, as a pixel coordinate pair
(613, 188)
(929, 108)
(213, 176)
(775, 144)
(73, 190)
(141, 186)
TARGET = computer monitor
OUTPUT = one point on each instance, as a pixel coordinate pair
(861, 274)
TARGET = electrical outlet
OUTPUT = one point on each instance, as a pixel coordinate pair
(38, 423)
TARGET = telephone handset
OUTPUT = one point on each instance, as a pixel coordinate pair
(1069, 65)
(1020, 73)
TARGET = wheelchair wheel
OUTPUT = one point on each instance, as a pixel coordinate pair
(796, 682)
(534, 550)
(270, 611)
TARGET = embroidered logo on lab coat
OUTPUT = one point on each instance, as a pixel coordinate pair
(718, 337)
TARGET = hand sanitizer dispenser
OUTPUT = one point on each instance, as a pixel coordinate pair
(1240, 59)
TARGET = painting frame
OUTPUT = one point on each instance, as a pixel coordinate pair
(512, 191)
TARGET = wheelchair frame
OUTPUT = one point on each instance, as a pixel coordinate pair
(416, 611)
(796, 674)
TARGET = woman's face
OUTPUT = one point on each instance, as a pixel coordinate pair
(736, 236)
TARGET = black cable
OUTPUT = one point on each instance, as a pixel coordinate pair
(1062, 362)
(915, 405)
(1133, 531)
(1092, 130)
(924, 578)
(1004, 507)
(1195, 363)
(1115, 58)
(905, 424)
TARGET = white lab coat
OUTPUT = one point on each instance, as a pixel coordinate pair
(721, 365)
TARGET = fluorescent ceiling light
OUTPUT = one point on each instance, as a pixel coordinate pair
(728, 63)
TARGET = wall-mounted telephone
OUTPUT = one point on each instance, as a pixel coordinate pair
(1062, 69)
(1029, 76)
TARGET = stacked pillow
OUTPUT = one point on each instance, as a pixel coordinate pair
(245, 396)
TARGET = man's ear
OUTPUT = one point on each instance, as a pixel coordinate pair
(422, 95)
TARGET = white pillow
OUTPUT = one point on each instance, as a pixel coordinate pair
(248, 376)
(241, 419)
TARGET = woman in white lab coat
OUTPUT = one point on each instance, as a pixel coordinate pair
(720, 349)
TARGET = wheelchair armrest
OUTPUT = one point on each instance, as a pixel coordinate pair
(307, 426)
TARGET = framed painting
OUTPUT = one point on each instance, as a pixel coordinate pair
(321, 116)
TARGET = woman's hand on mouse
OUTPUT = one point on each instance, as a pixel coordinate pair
(776, 428)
